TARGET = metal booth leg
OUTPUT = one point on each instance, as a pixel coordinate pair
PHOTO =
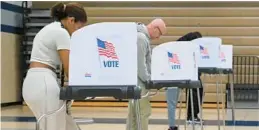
(222, 102)
(180, 109)
(192, 110)
(217, 95)
(232, 99)
(200, 107)
(187, 105)
(189, 92)
(48, 114)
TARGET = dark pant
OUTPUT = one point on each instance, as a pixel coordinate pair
(195, 101)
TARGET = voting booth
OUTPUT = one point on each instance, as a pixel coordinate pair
(209, 48)
(226, 67)
(210, 62)
(103, 62)
(226, 58)
(174, 64)
(215, 58)
(213, 55)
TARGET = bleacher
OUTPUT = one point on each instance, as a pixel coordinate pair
(236, 23)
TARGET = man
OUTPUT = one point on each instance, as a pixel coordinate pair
(152, 31)
(172, 94)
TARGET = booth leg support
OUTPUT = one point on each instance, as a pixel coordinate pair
(202, 100)
(232, 101)
(48, 114)
(180, 109)
(187, 105)
(192, 110)
(258, 99)
(200, 107)
(222, 104)
(217, 95)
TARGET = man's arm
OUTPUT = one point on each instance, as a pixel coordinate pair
(142, 44)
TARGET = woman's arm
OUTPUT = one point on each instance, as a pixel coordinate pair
(62, 41)
(64, 57)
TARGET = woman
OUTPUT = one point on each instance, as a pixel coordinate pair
(172, 93)
(51, 48)
(195, 95)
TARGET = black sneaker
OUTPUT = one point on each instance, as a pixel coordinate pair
(198, 120)
(189, 121)
(173, 128)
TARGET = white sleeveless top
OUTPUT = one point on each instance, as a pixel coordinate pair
(47, 42)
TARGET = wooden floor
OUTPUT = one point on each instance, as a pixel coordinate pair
(21, 118)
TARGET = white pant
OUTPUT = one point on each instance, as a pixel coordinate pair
(41, 94)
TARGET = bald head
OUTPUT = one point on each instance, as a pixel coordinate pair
(156, 28)
(160, 24)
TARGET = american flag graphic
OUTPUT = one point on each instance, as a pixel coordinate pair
(173, 58)
(203, 50)
(106, 49)
(222, 55)
(87, 75)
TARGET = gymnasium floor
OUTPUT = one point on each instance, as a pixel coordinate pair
(113, 118)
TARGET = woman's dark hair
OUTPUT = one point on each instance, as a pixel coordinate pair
(190, 36)
(196, 35)
(60, 11)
